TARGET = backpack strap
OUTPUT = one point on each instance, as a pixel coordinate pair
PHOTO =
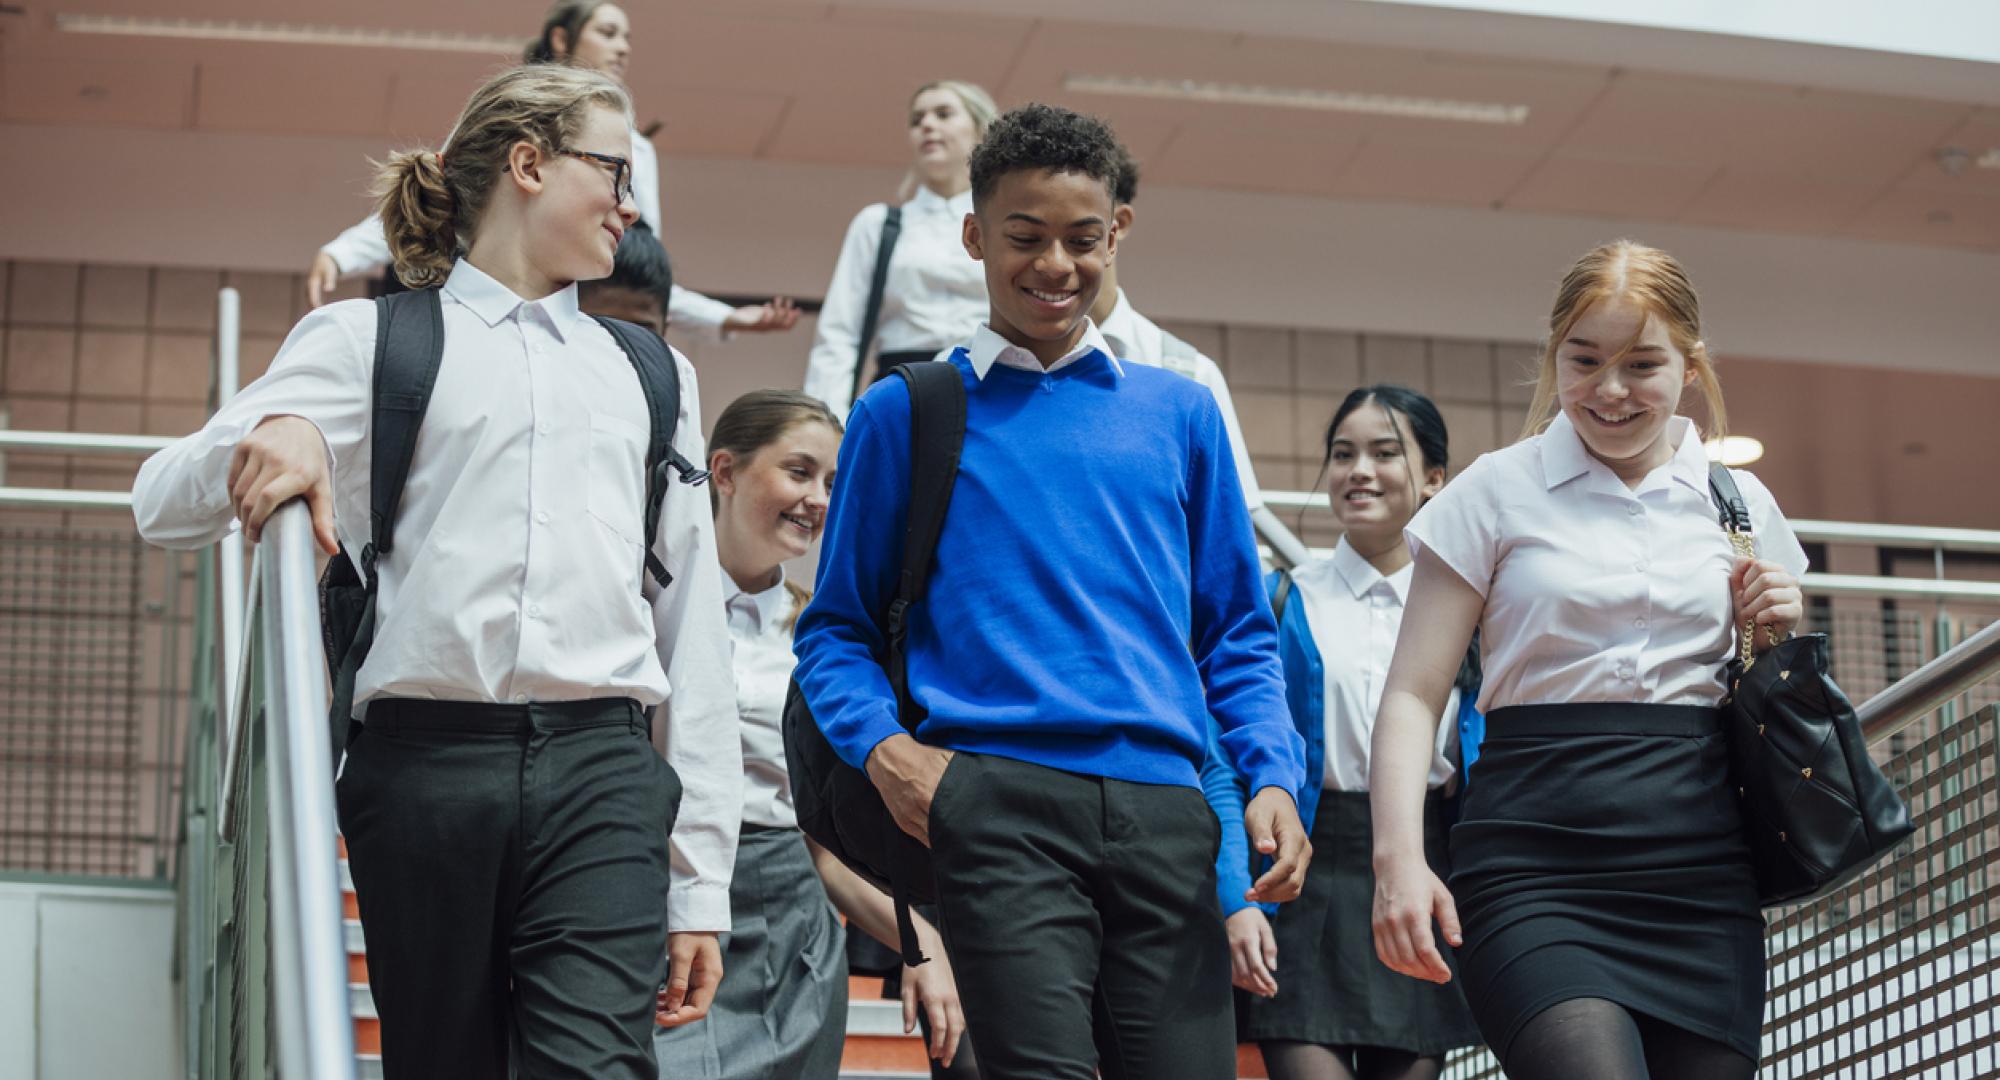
(660, 379)
(878, 285)
(937, 434)
(409, 348)
(1281, 595)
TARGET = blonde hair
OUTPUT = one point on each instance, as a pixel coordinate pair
(1656, 282)
(978, 105)
(431, 203)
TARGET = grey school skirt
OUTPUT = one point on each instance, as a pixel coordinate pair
(782, 1008)
(1599, 852)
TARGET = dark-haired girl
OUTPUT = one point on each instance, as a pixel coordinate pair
(1337, 1013)
(594, 34)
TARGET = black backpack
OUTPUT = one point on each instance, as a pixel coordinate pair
(837, 804)
(409, 347)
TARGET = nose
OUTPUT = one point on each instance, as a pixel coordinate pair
(1611, 385)
(628, 209)
(1054, 263)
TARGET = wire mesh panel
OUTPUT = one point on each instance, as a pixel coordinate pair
(1894, 975)
(88, 703)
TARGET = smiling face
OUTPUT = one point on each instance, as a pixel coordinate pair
(1376, 474)
(1619, 378)
(576, 219)
(604, 43)
(1045, 238)
(772, 504)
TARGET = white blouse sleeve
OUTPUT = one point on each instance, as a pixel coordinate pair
(1775, 539)
(830, 370)
(359, 246)
(1461, 525)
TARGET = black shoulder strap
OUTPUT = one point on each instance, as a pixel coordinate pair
(660, 379)
(937, 434)
(1730, 508)
(409, 347)
(1280, 597)
(892, 227)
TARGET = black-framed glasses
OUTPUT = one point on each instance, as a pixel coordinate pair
(621, 170)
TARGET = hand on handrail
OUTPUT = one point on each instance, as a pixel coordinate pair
(283, 458)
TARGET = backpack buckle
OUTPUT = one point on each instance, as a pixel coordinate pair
(689, 475)
(899, 610)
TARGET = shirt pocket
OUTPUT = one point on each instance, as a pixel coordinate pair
(616, 484)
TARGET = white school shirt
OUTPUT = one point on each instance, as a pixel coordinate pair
(760, 639)
(1133, 336)
(1596, 591)
(935, 294)
(516, 574)
(1354, 613)
(363, 244)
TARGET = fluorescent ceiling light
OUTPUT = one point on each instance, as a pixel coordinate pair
(287, 33)
(1285, 97)
(1735, 450)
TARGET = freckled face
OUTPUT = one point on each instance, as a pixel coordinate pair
(1621, 406)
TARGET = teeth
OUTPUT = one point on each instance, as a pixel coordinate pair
(1050, 297)
(800, 522)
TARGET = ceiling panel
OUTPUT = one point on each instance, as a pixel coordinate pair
(1965, 219)
(316, 99)
(1434, 172)
(98, 93)
(425, 101)
(1217, 157)
(1597, 186)
(1780, 202)
(712, 123)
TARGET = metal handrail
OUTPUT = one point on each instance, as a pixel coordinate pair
(20, 498)
(309, 973)
(1829, 532)
(78, 442)
(1946, 676)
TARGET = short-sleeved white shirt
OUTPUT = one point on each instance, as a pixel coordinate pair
(1596, 591)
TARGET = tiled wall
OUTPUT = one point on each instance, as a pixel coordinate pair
(121, 350)
(1287, 383)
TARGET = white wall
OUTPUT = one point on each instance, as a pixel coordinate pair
(758, 227)
(85, 983)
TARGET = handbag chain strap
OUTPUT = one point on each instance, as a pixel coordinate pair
(1734, 516)
(1746, 547)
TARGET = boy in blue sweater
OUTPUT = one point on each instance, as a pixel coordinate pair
(1095, 595)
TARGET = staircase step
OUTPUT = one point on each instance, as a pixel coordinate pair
(368, 1067)
(362, 1001)
(355, 943)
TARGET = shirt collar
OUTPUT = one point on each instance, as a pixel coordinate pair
(765, 607)
(926, 201)
(1564, 457)
(494, 303)
(986, 347)
(1361, 577)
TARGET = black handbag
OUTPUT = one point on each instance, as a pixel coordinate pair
(1817, 811)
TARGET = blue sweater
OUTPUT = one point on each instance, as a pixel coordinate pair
(1095, 594)
(1236, 866)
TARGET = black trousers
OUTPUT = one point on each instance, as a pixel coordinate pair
(511, 864)
(1082, 923)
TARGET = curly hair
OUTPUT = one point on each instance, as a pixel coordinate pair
(1048, 138)
(1126, 191)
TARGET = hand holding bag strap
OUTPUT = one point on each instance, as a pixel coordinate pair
(1734, 513)
(878, 286)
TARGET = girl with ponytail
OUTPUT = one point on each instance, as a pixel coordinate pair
(506, 811)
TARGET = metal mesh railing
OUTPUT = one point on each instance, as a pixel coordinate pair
(92, 671)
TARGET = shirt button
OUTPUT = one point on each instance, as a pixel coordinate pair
(534, 611)
(1634, 509)
(541, 517)
(1639, 623)
(1640, 566)
(542, 429)
(520, 699)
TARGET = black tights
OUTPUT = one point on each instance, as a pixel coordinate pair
(1600, 1040)
(1311, 1061)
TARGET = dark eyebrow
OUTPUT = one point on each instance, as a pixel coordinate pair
(1029, 218)
(1595, 345)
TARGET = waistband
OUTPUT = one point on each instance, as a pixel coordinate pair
(1604, 718)
(419, 714)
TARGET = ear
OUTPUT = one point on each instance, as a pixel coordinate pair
(524, 166)
(722, 472)
(1688, 377)
(559, 41)
(1111, 238)
(973, 238)
(1123, 219)
(1433, 482)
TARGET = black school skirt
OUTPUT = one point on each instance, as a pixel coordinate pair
(1599, 853)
